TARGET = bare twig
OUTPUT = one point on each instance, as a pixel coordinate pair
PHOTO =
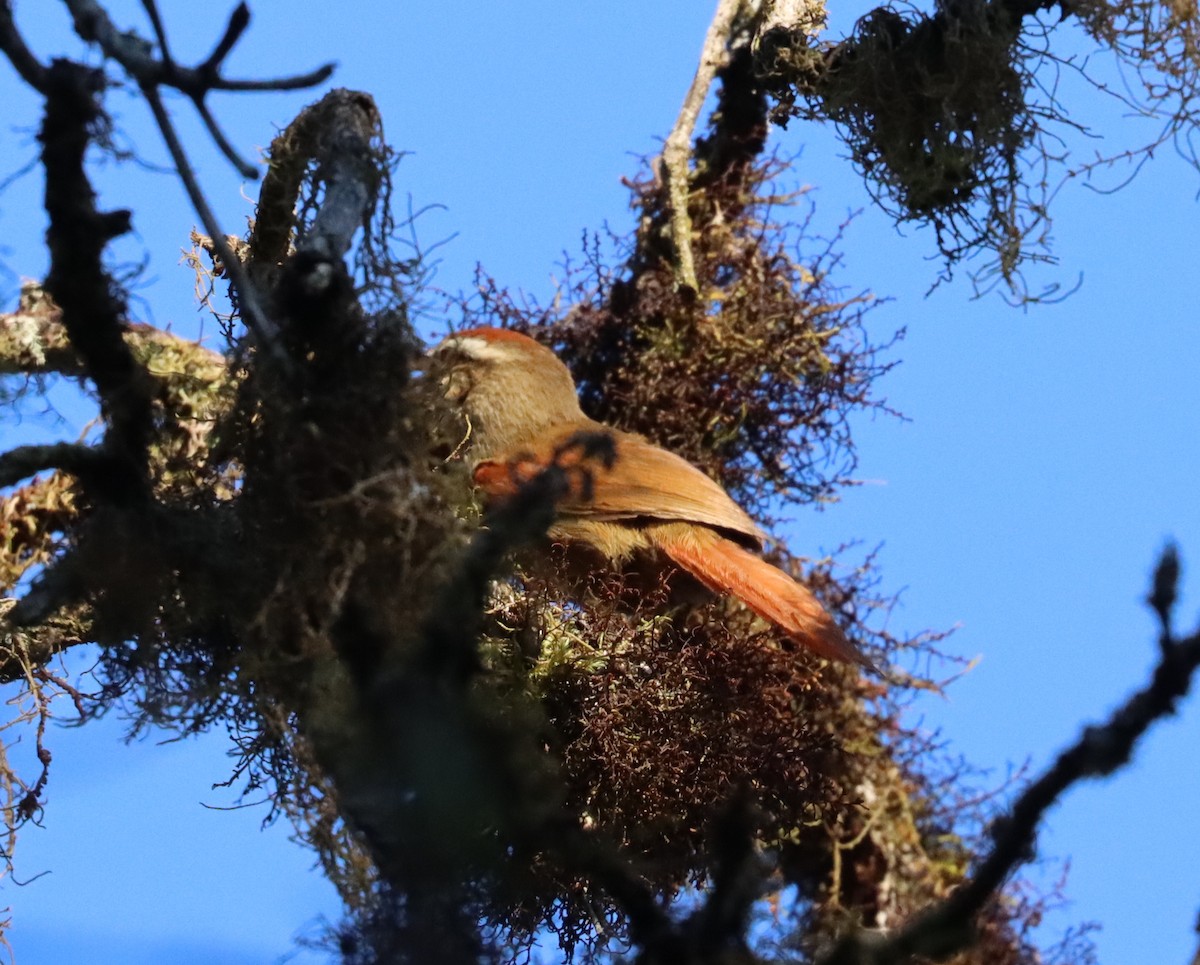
(136, 56)
(239, 20)
(295, 82)
(12, 44)
(160, 30)
(93, 24)
(1100, 750)
(253, 315)
(245, 169)
(1163, 592)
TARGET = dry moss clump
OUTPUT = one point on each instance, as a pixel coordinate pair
(662, 721)
(934, 111)
(949, 123)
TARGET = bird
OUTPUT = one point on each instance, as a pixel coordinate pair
(644, 505)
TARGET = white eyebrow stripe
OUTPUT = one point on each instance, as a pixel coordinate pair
(480, 349)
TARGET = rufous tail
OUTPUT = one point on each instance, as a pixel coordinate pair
(727, 568)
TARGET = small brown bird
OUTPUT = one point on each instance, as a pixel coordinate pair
(524, 410)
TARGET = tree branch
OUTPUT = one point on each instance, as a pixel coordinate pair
(12, 44)
(338, 133)
(56, 587)
(1100, 750)
(677, 151)
(34, 341)
(160, 30)
(239, 20)
(22, 649)
(136, 56)
(24, 461)
(93, 309)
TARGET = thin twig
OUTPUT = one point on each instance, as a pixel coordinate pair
(946, 928)
(1163, 594)
(244, 167)
(239, 20)
(295, 82)
(136, 55)
(160, 31)
(254, 317)
(14, 48)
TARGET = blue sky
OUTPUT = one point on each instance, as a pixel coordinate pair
(1049, 455)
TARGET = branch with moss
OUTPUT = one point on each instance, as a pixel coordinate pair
(339, 139)
(42, 519)
(84, 462)
(948, 124)
(34, 341)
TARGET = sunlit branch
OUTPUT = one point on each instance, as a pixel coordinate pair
(676, 155)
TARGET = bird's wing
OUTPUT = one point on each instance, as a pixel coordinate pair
(649, 486)
(643, 482)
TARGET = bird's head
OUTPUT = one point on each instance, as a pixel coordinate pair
(511, 388)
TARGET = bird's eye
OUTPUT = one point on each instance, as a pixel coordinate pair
(458, 383)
